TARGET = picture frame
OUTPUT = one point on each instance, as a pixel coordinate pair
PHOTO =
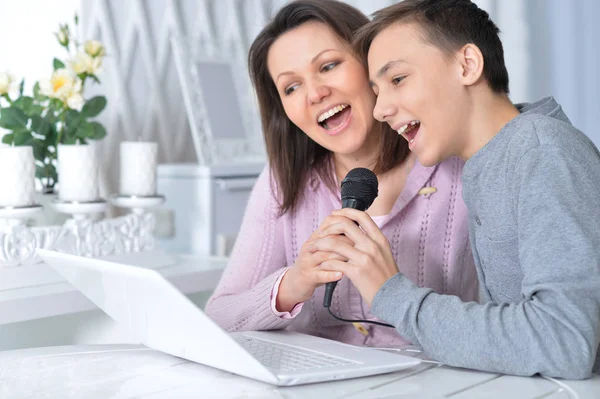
(219, 100)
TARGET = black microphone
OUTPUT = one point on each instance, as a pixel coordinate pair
(359, 190)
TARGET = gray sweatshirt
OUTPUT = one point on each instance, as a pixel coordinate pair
(533, 196)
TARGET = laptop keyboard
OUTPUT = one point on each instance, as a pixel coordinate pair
(285, 358)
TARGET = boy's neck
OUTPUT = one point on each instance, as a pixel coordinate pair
(491, 112)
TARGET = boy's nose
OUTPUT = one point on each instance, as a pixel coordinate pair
(383, 110)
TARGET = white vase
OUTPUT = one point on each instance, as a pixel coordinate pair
(17, 176)
(138, 168)
(78, 172)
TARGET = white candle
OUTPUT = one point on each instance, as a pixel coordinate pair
(138, 168)
(17, 176)
(78, 171)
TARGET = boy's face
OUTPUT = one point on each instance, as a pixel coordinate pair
(420, 93)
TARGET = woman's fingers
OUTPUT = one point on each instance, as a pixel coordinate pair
(327, 276)
(318, 257)
(341, 226)
(333, 245)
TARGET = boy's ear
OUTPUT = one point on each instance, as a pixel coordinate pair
(471, 62)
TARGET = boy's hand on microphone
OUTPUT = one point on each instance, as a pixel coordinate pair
(369, 260)
(301, 280)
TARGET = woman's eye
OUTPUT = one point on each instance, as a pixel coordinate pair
(396, 81)
(328, 67)
(290, 89)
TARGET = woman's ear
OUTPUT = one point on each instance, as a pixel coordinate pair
(471, 62)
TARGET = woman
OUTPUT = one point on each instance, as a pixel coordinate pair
(317, 113)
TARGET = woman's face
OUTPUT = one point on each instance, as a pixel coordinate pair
(323, 88)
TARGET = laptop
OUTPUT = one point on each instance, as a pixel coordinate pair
(161, 317)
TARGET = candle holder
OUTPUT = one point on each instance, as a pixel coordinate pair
(81, 235)
(17, 242)
(140, 223)
(80, 209)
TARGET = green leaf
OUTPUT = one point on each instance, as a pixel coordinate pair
(58, 64)
(70, 140)
(85, 130)
(99, 131)
(23, 138)
(93, 107)
(40, 172)
(39, 150)
(36, 110)
(12, 118)
(25, 103)
(40, 125)
(8, 138)
(73, 119)
(21, 86)
(37, 94)
(52, 136)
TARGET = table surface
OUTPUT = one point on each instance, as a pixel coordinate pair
(125, 371)
(37, 291)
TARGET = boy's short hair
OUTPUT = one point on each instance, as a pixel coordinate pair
(448, 25)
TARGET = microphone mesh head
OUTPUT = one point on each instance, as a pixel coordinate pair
(361, 184)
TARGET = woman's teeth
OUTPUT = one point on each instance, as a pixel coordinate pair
(330, 113)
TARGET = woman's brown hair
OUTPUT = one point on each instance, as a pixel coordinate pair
(292, 154)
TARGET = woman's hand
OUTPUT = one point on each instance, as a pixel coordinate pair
(370, 262)
(301, 280)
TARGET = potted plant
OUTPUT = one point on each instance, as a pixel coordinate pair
(56, 113)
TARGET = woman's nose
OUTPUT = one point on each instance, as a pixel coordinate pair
(317, 92)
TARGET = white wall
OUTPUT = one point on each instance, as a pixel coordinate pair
(550, 48)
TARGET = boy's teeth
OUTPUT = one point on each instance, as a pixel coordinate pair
(403, 128)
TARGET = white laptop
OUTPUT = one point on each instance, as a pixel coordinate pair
(162, 318)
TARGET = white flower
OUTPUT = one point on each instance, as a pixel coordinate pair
(62, 37)
(63, 84)
(94, 48)
(75, 101)
(6, 82)
(84, 63)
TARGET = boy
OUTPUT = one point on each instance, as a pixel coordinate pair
(531, 185)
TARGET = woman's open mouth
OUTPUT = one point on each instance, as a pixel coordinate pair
(335, 119)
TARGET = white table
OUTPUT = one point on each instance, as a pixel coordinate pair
(125, 371)
(37, 291)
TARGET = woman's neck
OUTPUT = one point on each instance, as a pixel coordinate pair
(365, 157)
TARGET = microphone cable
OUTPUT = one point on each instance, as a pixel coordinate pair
(378, 323)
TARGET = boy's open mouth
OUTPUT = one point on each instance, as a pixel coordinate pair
(410, 130)
(335, 117)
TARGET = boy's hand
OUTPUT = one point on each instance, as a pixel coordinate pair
(370, 261)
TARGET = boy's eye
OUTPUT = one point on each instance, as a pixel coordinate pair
(396, 81)
(328, 67)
